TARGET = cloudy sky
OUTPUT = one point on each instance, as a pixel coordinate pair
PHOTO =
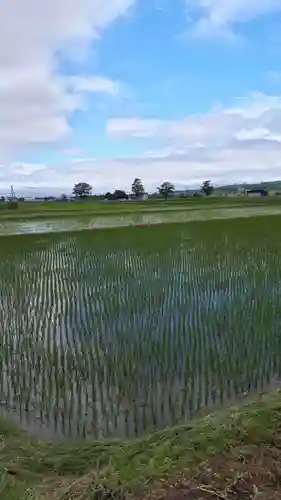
(105, 91)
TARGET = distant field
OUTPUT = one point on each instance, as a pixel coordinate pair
(50, 222)
(75, 208)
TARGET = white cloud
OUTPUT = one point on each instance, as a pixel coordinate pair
(35, 100)
(258, 117)
(237, 144)
(185, 170)
(97, 84)
(218, 17)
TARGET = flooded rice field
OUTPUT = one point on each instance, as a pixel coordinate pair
(124, 331)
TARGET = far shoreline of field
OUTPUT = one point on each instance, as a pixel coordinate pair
(49, 210)
(230, 451)
(43, 224)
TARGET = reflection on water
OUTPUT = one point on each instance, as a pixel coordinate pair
(86, 222)
(120, 338)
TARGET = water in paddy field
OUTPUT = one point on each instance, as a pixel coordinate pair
(121, 338)
(60, 224)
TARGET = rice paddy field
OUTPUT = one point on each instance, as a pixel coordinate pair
(120, 332)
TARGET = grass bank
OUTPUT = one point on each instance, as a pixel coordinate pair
(46, 210)
(234, 453)
(111, 212)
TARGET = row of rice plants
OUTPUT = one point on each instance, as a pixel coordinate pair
(122, 336)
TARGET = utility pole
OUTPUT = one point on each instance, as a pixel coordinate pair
(12, 194)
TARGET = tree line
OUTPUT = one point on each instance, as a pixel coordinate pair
(83, 190)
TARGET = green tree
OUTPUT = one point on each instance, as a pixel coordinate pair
(166, 189)
(119, 194)
(82, 190)
(137, 187)
(207, 188)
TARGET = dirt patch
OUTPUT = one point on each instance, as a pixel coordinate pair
(244, 473)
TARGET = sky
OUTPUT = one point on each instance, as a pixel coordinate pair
(105, 91)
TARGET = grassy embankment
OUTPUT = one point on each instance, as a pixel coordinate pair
(234, 453)
(47, 210)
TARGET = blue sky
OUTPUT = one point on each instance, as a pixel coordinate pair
(179, 90)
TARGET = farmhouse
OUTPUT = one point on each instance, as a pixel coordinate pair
(256, 192)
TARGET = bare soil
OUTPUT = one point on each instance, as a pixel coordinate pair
(244, 473)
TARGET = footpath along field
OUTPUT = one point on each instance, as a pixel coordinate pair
(121, 334)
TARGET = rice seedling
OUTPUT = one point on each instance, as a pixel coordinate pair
(119, 332)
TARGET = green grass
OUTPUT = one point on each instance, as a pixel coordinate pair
(134, 465)
(69, 209)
